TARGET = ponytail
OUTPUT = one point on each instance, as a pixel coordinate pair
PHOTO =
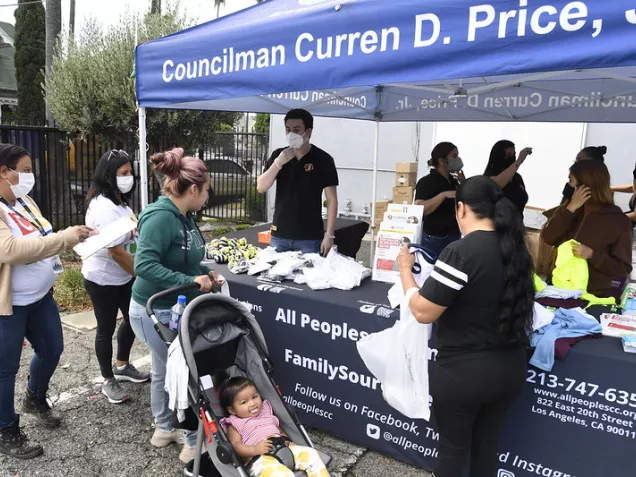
(487, 201)
(439, 152)
(517, 299)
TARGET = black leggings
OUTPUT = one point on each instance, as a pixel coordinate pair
(107, 301)
(470, 400)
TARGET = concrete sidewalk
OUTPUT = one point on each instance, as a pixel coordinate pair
(105, 440)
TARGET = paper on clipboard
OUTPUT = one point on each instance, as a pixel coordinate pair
(109, 234)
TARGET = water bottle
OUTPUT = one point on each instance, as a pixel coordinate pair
(177, 312)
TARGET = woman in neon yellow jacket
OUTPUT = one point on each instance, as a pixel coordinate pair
(603, 231)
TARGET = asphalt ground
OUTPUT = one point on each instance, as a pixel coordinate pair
(101, 439)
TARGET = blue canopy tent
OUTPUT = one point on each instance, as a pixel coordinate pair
(405, 60)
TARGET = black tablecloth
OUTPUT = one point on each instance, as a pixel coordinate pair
(349, 234)
(578, 420)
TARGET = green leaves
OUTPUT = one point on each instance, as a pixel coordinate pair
(29, 61)
(91, 91)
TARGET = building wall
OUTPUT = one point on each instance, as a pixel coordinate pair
(351, 143)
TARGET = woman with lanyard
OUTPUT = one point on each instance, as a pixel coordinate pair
(28, 268)
(502, 167)
(436, 192)
(481, 295)
(108, 275)
(170, 252)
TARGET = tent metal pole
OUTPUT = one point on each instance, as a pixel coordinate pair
(375, 188)
(143, 159)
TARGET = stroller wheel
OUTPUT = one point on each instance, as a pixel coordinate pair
(224, 454)
(206, 469)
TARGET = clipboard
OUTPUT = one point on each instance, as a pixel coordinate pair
(106, 236)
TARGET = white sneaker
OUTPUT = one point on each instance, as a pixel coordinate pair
(187, 454)
(162, 438)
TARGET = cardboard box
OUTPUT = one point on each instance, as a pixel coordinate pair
(381, 207)
(534, 218)
(533, 240)
(403, 194)
(380, 204)
(406, 167)
(265, 237)
(405, 179)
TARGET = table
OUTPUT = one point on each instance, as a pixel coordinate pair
(579, 420)
(349, 234)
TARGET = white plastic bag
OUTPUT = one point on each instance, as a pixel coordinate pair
(398, 358)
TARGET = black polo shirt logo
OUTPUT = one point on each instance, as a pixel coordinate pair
(309, 167)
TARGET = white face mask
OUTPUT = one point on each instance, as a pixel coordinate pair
(295, 141)
(125, 183)
(26, 181)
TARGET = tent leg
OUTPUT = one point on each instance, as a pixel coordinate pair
(143, 159)
(374, 189)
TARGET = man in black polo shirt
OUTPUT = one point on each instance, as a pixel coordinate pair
(301, 171)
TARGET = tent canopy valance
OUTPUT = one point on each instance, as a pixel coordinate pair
(406, 60)
(403, 60)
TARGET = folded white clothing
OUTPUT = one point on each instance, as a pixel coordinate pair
(559, 293)
(287, 265)
(176, 384)
(541, 317)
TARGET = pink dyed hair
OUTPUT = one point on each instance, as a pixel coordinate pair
(179, 171)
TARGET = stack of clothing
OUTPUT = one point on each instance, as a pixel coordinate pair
(569, 283)
(554, 339)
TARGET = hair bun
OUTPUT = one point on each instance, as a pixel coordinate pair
(168, 163)
(602, 150)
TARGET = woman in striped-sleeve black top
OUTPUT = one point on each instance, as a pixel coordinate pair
(481, 296)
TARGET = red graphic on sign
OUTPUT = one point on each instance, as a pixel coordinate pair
(309, 167)
(386, 242)
(25, 226)
(384, 264)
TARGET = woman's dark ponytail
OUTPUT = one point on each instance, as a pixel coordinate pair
(487, 201)
(517, 299)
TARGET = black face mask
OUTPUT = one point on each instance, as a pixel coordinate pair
(568, 192)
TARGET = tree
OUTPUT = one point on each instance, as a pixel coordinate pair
(30, 35)
(53, 29)
(155, 6)
(261, 123)
(90, 89)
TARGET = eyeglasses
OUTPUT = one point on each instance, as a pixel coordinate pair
(118, 153)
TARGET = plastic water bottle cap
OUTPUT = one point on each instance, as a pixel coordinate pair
(181, 300)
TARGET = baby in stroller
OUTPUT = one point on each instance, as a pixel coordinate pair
(256, 436)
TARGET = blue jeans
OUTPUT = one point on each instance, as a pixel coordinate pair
(145, 332)
(290, 245)
(40, 324)
(434, 245)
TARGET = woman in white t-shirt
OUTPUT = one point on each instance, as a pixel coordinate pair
(109, 274)
(28, 269)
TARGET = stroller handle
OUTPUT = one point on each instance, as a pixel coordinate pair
(168, 292)
(164, 332)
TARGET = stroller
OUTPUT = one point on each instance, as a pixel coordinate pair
(220, 338)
